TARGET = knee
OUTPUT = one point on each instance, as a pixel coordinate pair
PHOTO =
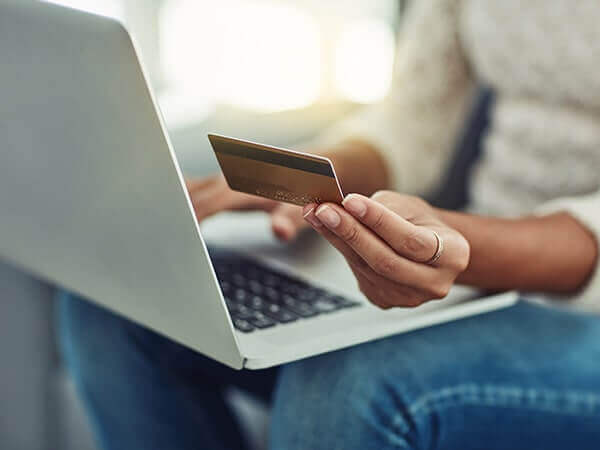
(341, 400)
(84, 328)
(95, 343)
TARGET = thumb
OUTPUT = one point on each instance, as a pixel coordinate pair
(287, 221)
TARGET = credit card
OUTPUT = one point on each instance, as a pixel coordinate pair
(275, 173)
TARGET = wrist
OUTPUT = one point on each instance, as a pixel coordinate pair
(545, 254)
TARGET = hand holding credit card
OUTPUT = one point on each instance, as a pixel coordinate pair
(278, 174)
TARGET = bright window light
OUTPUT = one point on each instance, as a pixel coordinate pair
(364, 56)
(272, 58)
(190, 33)
(260, 55)
(109, 8)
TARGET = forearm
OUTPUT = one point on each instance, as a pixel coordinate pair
(359, 167)
(548, 254)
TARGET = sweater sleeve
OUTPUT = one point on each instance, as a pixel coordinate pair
(416, 126)
(586, 210)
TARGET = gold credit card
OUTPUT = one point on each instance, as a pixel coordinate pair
(276, 173)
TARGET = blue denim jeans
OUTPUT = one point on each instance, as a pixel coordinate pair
(527, 377)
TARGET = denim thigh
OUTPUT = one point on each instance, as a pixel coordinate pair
(523, 377)
(143, 390)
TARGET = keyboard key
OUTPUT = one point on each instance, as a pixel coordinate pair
(341, 302)
(242, 312)
(291, 288)
(309, 294)
(261, 321)
(243, 325)
(255, 287)
(303, 309)
(238, 279)
(289, 300)
(272, 295)
(240, 295)
(256, 302)
(279, 314)
(324, 306)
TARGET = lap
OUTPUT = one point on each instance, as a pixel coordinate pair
(143, 390)
(527, 373)
(96, 340)
(523, 377)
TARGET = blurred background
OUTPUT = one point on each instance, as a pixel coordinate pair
(276, 71)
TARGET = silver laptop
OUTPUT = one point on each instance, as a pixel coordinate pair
(92, 199)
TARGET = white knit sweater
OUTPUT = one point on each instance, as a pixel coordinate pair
(542, 153)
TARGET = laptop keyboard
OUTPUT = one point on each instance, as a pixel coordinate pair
(259, 297)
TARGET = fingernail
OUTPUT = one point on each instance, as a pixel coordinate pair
(310, 217)
(307, 211)
(313, 220)
(328, 216)
(355, 205)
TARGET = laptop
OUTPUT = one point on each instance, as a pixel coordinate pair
(92, 198)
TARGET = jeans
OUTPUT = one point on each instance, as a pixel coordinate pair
(526, 377)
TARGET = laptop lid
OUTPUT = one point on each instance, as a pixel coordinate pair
(91, 196)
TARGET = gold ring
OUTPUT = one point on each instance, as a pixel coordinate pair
(439, 249)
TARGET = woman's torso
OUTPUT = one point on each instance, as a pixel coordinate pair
(542, 58)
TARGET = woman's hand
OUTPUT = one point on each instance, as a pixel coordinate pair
(388, 241)
(352, 160)
(212, 195)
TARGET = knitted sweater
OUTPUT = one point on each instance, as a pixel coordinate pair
(542, 152)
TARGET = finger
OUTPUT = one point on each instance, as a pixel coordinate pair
(369, 290)
(286, 221)
(235, 200)
(201, 183)
(384, 293)
(368, 281)
(215, 196)
(209, 200)
(344, 248)
(375, 252)
(380, 291)
(308, 214)
(412, 241)
(347, 252)
(241, 201)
